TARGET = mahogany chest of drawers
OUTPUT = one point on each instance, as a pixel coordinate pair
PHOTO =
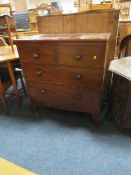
(65, 71)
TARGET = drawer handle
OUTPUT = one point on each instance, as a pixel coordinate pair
(39, 72)
(94, 58)
(43, 91)
(79, 97)
(78, 57)
(35, 55)
(78, 77)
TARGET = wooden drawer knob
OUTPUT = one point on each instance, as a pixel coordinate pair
(78, 57)
(78, 97)
(43, 91)
(39, 72)
(35, 55)
(78, 77)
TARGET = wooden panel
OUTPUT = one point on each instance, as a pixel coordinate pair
(37, 54)
(50, 25)
(91, 78)
(95, 7)
(64, 97)
(90, 55)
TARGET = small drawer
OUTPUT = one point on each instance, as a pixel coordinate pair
(37, 53)
(91, 78)
(84, 56)
(63, 97)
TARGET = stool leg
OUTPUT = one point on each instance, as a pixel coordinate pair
(14, 83)
(23, 85)
(4, 102)
(3, 99)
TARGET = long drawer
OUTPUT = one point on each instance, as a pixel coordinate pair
(37, 53)
(64, 97)
(83, 55)
(91, 78)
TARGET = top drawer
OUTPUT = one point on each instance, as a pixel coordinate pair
(37, 53)
(92, 55)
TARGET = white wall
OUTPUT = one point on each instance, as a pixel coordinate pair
(4, 1)
(33, 3)
(67, 5)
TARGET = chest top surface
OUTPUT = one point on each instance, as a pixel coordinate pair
(66, 37)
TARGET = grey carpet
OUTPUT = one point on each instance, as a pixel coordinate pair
(53, 142)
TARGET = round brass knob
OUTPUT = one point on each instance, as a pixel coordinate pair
(43, 91)
(39, 72)
(78, 57)
(95, 57)
(78, 77)
(35, 55)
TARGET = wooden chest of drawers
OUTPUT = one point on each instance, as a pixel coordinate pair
(65, 71)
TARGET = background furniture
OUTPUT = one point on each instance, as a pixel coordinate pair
(6, 56)
(8, 23)
(85, 22)
(91, 6)
(2, 42)
(120, 101)
(5, 83)
(124, 29)
(65, 71)
(33, 22)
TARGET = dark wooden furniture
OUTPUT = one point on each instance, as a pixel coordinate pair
(91, 21)
(5, 83)
(120, 100)
(65, 71)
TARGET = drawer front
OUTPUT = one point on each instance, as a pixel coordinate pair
(91, 78)
(73, 99)
(37, 53)
(86, 56)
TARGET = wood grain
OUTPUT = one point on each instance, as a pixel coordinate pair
(69, 73)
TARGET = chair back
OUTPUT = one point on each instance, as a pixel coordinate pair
(7, 7)
(125, 47)
(2, 42)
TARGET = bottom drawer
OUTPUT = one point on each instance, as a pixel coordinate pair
(64, 97)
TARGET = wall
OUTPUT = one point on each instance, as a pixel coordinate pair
(67, 5)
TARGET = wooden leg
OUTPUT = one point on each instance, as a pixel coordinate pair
(96, 118)
(3, 99)
(4, 102)
(23, 85)
(14, 83)
(32, 105)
